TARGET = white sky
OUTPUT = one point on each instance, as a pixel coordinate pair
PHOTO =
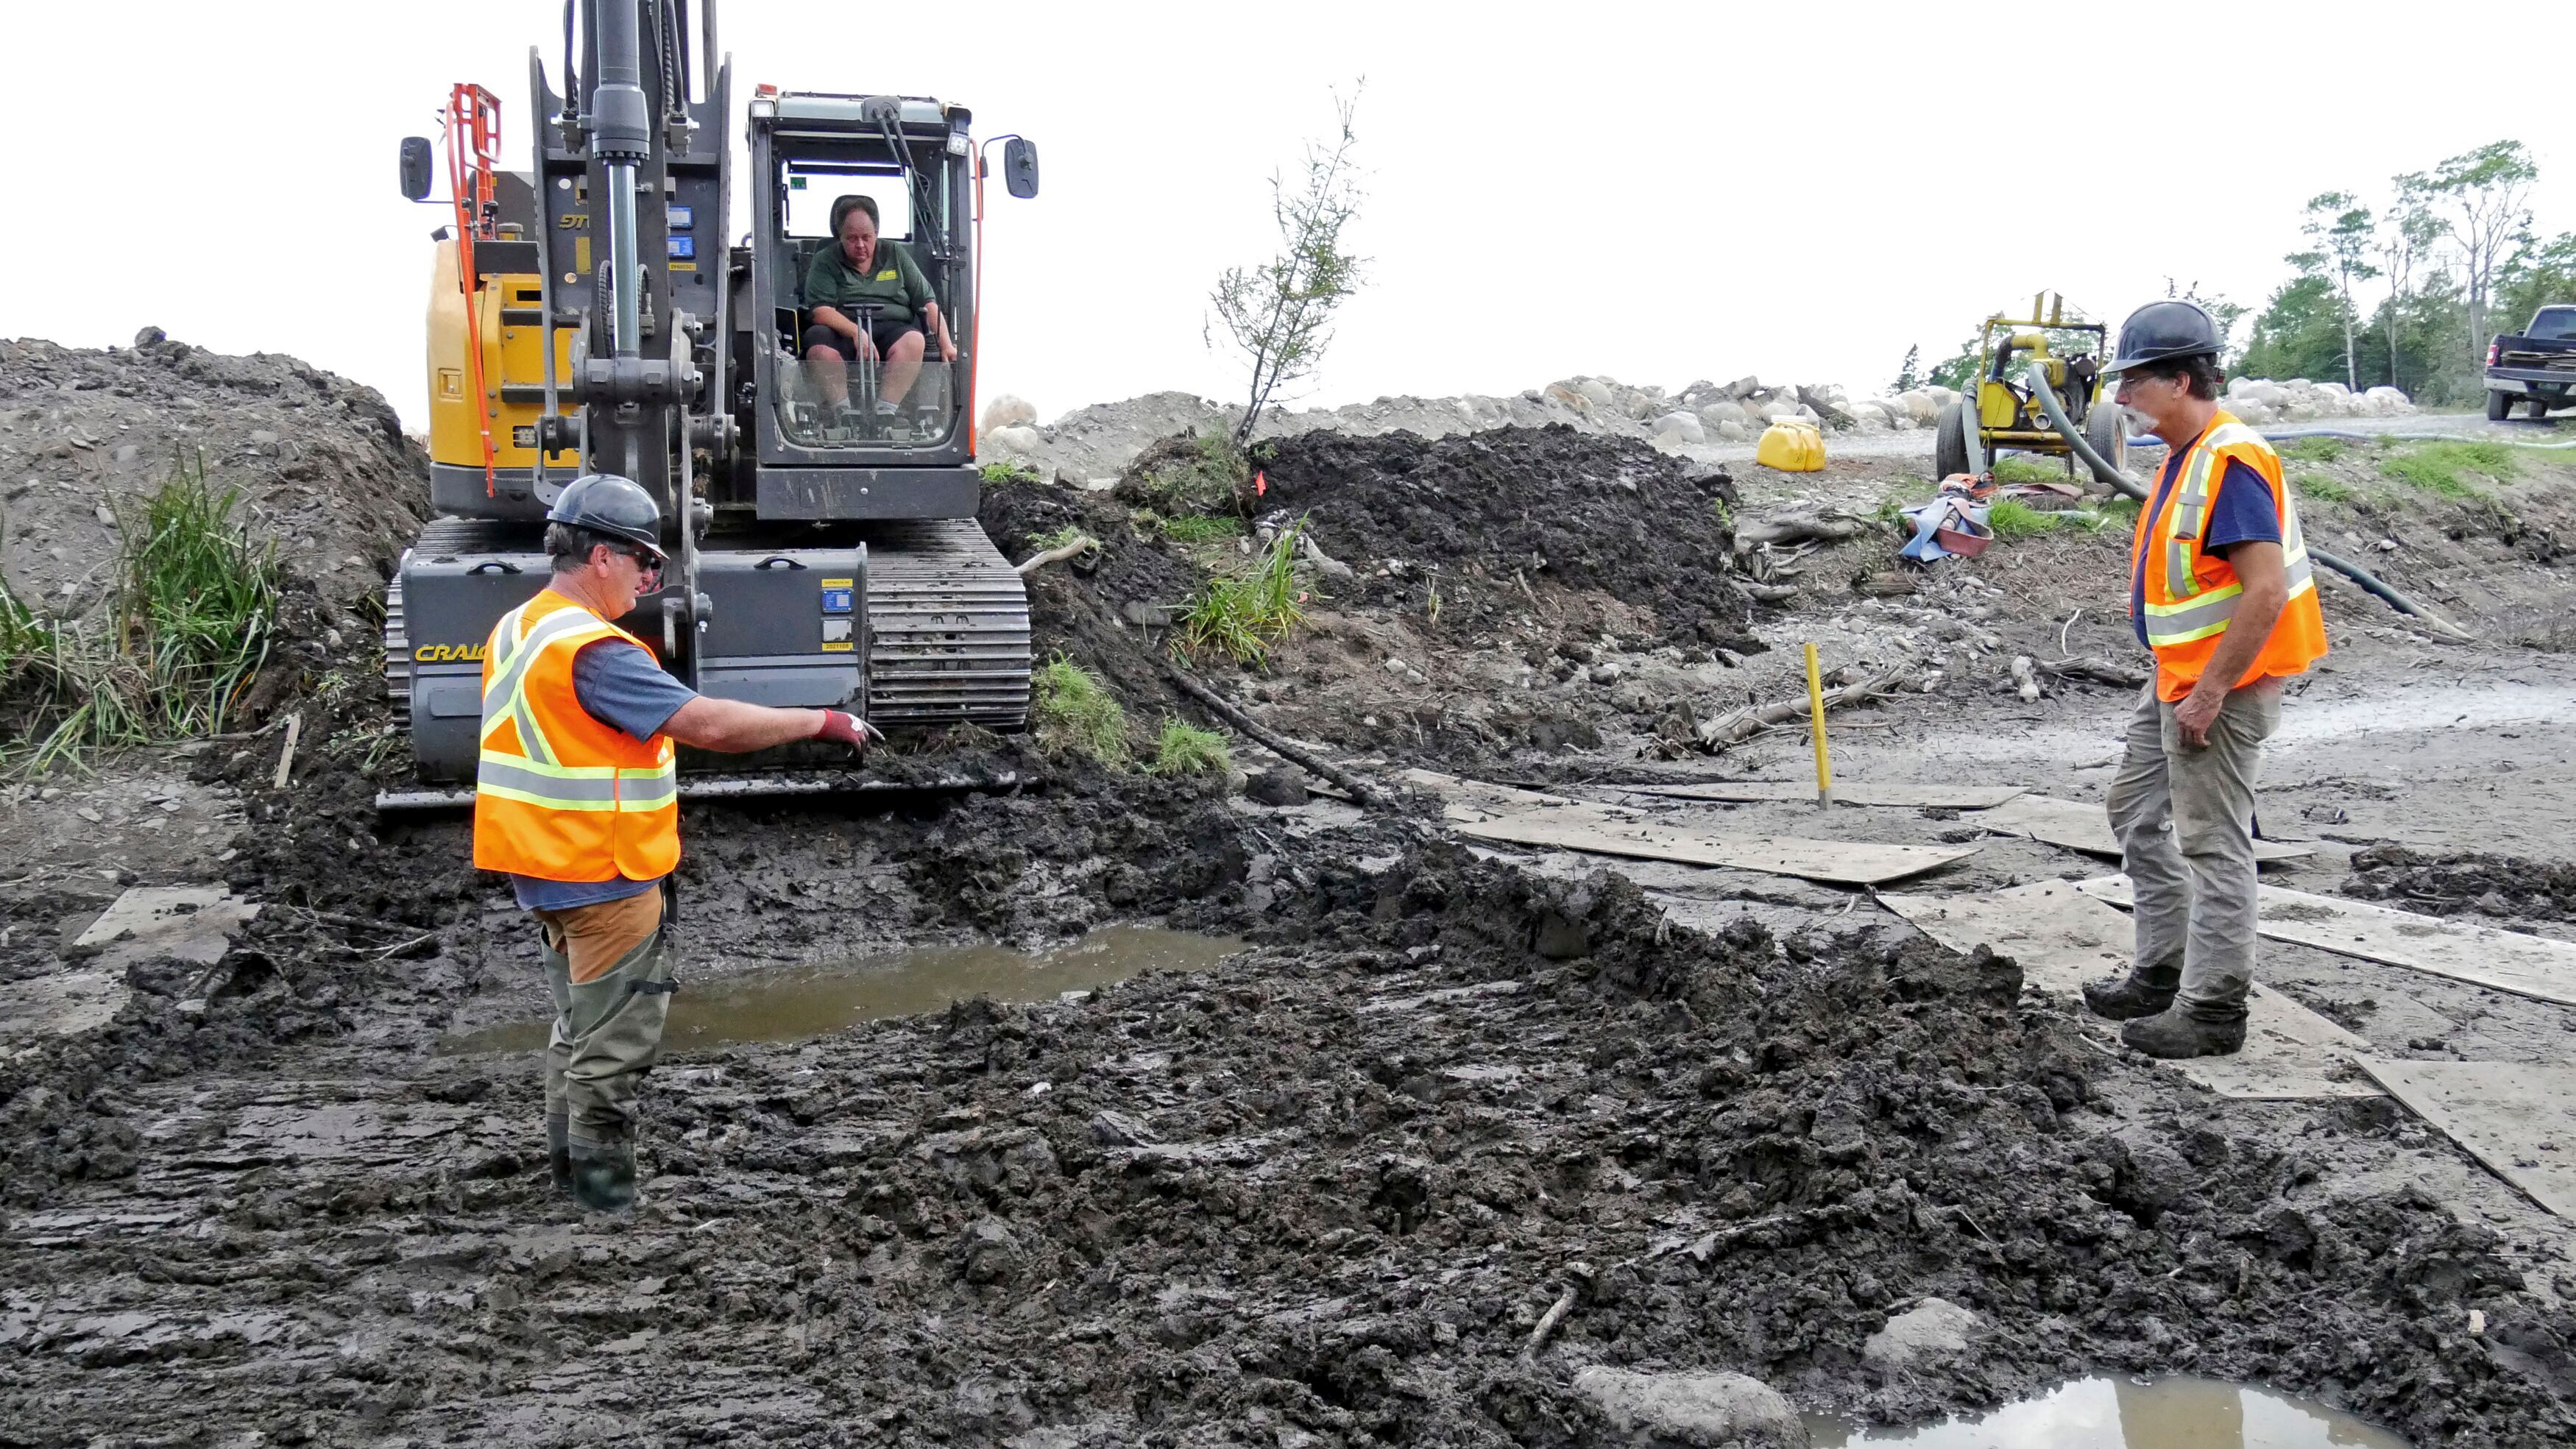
(1655, 192)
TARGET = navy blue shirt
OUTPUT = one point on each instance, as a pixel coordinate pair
(617, 685)
(2242, 512)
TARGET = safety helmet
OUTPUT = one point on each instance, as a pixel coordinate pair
(2162, 332)
(608, 504)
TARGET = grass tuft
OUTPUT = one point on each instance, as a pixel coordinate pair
(1241, 616)
(2319, 486)
(1002, 475)
(1202, 474)
(2316, 450)
(2022, 468)
(1182, 749)
(2437, 468)
(1202, 528)
(1077, 714)
(2013, 520)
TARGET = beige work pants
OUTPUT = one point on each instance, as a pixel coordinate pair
(2184, 818)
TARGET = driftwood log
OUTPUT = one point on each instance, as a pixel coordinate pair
(2101, 671)
(1799, 526)
(1743, 724)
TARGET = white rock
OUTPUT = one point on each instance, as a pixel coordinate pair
(2338, 389)
(1693, 1409)
(1007, 411)
(1926, 1334)
(1684, 426)
(2387, 400)
(1640, 404)
(1019, 440)
(1921, 405)
(1722, 411)
(1569, 396)
(1595, 392)
(1733, 432)
(1942, 397)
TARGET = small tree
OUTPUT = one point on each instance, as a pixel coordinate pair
(2344, 232)
(1908, 376)
(1279, 313)
(2405, 243)
(2478, 198)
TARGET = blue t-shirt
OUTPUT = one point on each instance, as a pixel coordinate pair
(2241, 513)
(618, 685)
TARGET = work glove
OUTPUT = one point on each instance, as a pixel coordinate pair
(843, 728)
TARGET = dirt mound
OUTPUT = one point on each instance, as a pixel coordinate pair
(1591, 512)
(2445, 885)
(321, 463)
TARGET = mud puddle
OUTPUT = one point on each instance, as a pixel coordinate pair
(788, 1005)
(2327, 721)
(2124, 1413)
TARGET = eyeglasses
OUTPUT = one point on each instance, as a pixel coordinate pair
(649, 565)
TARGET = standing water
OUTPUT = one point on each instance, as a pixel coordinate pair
(2122, 1413)
(787, 1004)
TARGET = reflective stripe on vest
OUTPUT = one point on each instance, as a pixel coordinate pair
(534, 777)
(2197, 613)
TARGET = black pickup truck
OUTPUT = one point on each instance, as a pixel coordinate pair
(2537, 367)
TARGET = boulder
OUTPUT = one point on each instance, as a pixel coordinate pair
(1596, 392)
(2256, 413)
(2338, 389)
(1685, 426)
(1640, 404)
(1733, 432)
(1692, 1410)
(1942, 397)
(1920, 405)
(1018, 441)
(1931, 1332)
(1721, 411)
(2387, 401)
(1007, 411)
(1569, 396)
(1741, 388)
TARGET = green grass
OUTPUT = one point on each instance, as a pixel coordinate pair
(1054, 539)
(2316, 450)
(187, 627)
(1241, 616)
(1076, 713)
(2022, 468)
(2318, 485)
(2438, 468)
(1002, 475)
(1203, 528)
(1206, 476)
(2013, 520)
(1184, 750)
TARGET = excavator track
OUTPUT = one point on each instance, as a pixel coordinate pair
(948, 628)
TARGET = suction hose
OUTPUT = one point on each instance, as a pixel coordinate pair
(2130, 488)
(2286, 433)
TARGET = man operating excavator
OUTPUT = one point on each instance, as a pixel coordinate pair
(577, 799)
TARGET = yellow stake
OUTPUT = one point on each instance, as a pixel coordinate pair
(1816, 724)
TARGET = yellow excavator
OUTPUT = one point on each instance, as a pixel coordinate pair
(2000, 411)
(587, 314)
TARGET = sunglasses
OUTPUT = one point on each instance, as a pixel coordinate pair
(651, 567)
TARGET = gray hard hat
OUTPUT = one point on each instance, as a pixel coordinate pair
(607, 504)
(2163, 332)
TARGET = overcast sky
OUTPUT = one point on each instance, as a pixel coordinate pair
(1653, 192)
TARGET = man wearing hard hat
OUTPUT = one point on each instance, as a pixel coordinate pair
(577, 798)
(2220, 590)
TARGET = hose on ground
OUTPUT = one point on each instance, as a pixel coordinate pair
(2150, 440)
(2131, 488)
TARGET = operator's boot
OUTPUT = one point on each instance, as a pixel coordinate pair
(558, 1153)
(2126, 998)
(2175, 1034)
(603, 1177)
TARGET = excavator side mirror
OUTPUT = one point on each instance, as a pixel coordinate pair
(415, 168)
(1020, 167)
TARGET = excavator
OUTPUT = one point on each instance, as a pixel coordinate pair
(588, 315)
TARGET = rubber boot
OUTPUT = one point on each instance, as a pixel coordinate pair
(2126, 998)
(603, 1178)
(2174, 1034)
(558, 1154)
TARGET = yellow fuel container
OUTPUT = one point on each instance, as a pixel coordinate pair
(1791, 447)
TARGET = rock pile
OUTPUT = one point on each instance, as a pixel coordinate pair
(2260, 400)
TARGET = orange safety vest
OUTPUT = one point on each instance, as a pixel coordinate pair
(2190, 596)
(560, 795)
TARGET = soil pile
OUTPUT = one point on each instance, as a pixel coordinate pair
(2469, 881)
(320, 462)
(1589, 512)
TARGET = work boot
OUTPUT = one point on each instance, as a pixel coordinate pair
(2174, 1034)
(559, 1153)
(603, 1178)
(2126, 997)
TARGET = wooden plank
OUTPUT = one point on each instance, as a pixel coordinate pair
(2533, 966)
(2078, 826)
(2063, 938)
(1933, 797)
(1580, 828)
(2519, 1118)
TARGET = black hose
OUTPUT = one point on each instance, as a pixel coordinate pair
(2130, 487)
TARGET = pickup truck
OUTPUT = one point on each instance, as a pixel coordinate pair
(2538, 366)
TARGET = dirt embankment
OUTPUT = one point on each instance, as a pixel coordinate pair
(1323, 1194)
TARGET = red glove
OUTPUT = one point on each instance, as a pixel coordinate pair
(843, 728)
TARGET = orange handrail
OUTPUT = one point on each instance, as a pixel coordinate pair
(473, 159)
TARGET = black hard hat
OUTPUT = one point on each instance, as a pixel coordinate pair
(617, 507)
(2162, 332)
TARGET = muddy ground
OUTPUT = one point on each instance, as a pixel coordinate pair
(1326, 1192)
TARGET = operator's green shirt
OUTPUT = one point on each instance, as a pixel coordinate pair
(893, 282)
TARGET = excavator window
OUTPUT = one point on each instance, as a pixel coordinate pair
(887, 402)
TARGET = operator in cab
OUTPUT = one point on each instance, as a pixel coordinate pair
(2222, 592)
(863, 270)
(577, 800)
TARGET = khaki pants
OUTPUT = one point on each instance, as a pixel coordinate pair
(2185, 821)
(610, 968)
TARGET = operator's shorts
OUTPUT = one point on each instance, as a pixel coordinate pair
(884, 332)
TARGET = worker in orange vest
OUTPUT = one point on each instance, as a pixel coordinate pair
(2221, 590)
(577, 798)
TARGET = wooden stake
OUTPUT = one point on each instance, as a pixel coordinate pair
(1816, 726)
(286, 757)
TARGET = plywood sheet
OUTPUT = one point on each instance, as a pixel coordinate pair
(1846, 792)
(2516, 1117)
(1575, 828)
(2525, 965)
(2063, 938)
(2078, 826)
